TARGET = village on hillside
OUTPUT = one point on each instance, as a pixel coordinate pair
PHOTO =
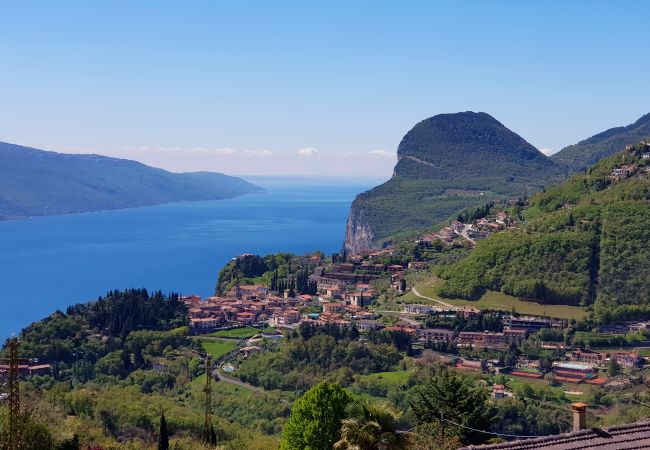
(466, 337)
(375, 292)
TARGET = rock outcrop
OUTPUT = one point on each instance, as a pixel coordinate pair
(358, 234)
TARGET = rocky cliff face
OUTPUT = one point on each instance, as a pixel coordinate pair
(358, 234)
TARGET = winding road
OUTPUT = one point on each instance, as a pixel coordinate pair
(446, 305)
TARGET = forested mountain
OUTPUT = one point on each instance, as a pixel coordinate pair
(577, 157)
(36, 183)
(107, 336)
(447, 163)
(586, 242)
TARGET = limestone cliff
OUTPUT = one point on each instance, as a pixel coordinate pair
(358, 234)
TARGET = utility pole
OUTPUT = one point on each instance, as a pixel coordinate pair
(12, 438)
(207, 424)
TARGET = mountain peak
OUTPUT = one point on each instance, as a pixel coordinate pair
(475, 138)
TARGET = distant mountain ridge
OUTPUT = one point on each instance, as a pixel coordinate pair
(578, 157)
(35, 182)
(447, 163)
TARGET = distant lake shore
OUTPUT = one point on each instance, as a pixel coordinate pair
(11, 218)
(51, 262)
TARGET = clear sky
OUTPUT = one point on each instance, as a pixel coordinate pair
(302, 87)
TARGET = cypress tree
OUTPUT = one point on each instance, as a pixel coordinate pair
(163, 438)
(213, 436)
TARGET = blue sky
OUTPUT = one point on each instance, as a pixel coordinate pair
(304, 88)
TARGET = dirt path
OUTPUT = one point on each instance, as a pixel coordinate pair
(238, 382)
(446, 305)
(250, 387)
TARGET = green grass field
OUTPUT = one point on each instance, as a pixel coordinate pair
(218, 348)
(558, 391)
(237, 333)
(410, 297)
(586, 335)
(495, 300)
(504, 302)
(398, 377)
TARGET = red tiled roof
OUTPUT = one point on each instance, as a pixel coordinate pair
(623, 437)
(519, 373)
(569, 379)
(566, 373)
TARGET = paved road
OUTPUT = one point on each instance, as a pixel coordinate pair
(465, 235)
(446, 305)
(396, 312)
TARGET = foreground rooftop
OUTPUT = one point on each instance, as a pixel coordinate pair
(623, 437)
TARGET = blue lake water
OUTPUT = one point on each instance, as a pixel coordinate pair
(49, 263)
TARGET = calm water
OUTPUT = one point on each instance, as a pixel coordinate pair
(51, 262)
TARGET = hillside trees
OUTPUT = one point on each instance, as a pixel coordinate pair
(305, 359)
(586, 242)
(278, 271)
(552, 267)
(453, 403)
(115, 335)
(372, 425)
(315, 420)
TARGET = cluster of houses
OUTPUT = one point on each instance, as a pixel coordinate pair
(344, 292)
(337, 279)
(446, 235)
(515, 330)
(625, 359)
(243, 306)
(577, 367)
(642, 150)
(478, 229)
(623, 172)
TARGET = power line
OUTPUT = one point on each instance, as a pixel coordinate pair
(207, 424)
(639, 402)
(12, 439)
(518, 436)
(552, 405)
(492, 433)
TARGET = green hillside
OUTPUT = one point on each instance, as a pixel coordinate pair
(447, 163)
(577, 157)
(38, 183)
(586, 243)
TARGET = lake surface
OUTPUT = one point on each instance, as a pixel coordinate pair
(49, 263)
